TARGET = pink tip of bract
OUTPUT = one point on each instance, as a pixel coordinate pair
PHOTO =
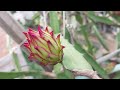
(46, 29)
(40, 31)
(31, 56)
(29, 41)
(51, 33)
(26, 45)
(26, 34)
(48, 56)
(63, 47)
(36, 47)
(41, 63)
(30, 29)
(32, 35)
(29, 33)
(58, 36)
(48, 42)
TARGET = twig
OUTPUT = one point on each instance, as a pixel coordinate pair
(89, 73)
(64, 23)
(50, 74)
(107, 57)
(44, 17)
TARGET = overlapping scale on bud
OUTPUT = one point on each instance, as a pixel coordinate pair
(43, 46)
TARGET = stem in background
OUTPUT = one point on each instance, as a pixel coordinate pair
(16, 62)
(86, 36)
(69, 27)
(64, 24)
(88, 73)
(92, 62)
(107, 57)
(63, 66)
(48, 68)
(44, 17)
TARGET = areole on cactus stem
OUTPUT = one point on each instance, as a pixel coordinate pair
(43, 46)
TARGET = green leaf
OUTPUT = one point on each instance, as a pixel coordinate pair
(117, 18)
(84, 29)
(36, 15)
(67, 35)
(58, 68)
(118, 40)
(79, 18)
(54, 22)
(99, 19)
(16, 61)
(62, 73)
(12, 75)
(100, 38)
(91, 61)
(35, 66)
(72, 59)
(65, 75)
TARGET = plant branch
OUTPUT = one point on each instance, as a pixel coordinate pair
(44, 17)
(50, 74)
(89, 73)
(64, 23)
(107, 57)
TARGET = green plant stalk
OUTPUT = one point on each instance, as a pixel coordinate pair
(100, 38)
(91, 16)
(92, 62)
(97, 33)
(17, 63)
(99, 19)
(12, 75)
(67, 35)
(85, 34)
(64, 26)
(118, 40)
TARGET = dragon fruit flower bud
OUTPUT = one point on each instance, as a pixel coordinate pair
(43, 46)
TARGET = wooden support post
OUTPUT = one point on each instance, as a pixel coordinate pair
(11, 26)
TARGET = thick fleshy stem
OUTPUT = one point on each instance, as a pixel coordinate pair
(48, 68)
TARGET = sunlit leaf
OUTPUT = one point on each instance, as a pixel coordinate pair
(91, 61)
(72, 59)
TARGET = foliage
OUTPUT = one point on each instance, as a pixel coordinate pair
(81, 29)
